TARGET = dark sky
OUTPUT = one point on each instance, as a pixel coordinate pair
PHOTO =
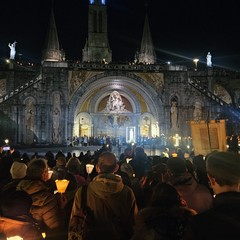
(181, 30)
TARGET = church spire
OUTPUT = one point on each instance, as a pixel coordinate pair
(51, 51)
(97, 47)
(147, 53)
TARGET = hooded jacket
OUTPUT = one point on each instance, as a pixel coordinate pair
(45, 208)
(113, 205)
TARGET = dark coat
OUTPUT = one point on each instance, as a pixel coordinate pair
(45, 208)
(222, 221)
(155, 223)
(113, 205)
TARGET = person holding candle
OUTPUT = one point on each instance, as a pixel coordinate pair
(45, 209)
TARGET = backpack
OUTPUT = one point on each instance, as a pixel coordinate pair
(86, 223)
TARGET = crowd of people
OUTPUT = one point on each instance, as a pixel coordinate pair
(132, 196)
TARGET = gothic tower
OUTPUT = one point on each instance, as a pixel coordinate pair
(51, 51)
(97, 47)
(147, 53)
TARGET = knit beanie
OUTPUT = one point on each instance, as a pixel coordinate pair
(176, 165)
(224, 167)
(18, 170)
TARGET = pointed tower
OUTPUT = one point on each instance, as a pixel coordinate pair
(147, 53)
(51, 51)
(97, 47)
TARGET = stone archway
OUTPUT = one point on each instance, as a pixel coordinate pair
(82, 125)
(137, 97)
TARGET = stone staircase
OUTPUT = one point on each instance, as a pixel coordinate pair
(20, 89)
(235, 112)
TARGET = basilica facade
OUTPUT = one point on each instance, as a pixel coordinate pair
(129, 102)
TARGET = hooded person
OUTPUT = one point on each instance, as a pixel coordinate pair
(18, 172)
(112, 203)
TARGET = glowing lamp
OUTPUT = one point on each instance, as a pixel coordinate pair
(62, 185)
(14, 238)
(174, 154)
(50, 172)
(89, 168)
(128, 160)
(196, 60)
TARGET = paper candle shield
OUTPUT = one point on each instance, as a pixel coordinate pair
(62, 185)
(89, 168)
(50, 172)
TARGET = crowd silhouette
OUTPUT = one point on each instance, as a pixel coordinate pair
(133, 196)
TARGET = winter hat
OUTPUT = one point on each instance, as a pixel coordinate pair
(176, 165)
(224, 167)
(18, 170)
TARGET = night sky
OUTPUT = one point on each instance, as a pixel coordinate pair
(181, 30)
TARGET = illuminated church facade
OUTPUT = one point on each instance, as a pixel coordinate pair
(95, 97)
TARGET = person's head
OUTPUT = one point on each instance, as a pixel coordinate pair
(223, 169)
(128, 152)
(37, 169)
(107, 163)
(73, 165)
(176, 165)
(15, 154)
(139, 151)
(166, 196)
(61, 161)
(18, 170)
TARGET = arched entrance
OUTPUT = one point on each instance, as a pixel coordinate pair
(116, 106)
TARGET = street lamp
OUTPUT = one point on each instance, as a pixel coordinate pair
(6, 141)
(196, 60)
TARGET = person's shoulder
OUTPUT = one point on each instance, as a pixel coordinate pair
(187, 211)
(127, 189)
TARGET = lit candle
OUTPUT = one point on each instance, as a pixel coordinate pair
(62, 185)
(14, 238)
(89, 168)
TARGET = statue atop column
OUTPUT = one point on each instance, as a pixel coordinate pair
(12, 50)
(209, 59)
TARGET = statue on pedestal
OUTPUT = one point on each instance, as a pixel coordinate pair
(174, 115)
(209, 59)
(12, 50)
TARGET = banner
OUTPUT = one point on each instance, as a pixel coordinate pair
(208, 136)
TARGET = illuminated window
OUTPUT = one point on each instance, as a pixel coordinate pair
(102, 1)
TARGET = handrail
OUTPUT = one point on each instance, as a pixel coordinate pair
(20, 89)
